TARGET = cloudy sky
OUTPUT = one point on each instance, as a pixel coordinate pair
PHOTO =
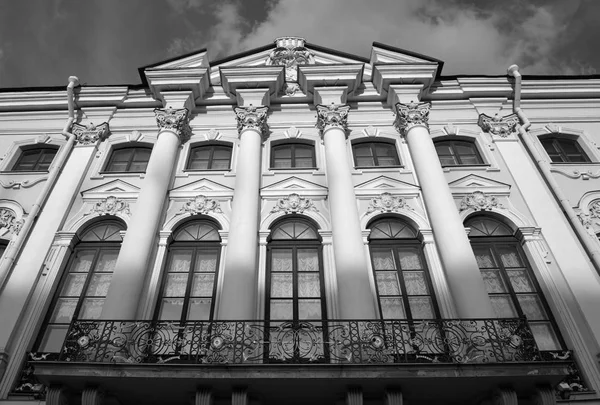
(42, 42)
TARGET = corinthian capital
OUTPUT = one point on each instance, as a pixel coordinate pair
(170, 119)
(411, 114)
(90, 134)
(252, 118)
(333, 115)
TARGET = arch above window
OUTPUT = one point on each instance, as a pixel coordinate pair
(209, 156)
(564, 149)
(105, 231)
(290, 155)
(458, 152)
(129, 159)
(375, 154)
(35, 158)
(486, 226)
(294, 229)
(391, 228)
(197, 231)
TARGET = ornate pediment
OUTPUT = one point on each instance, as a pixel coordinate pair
(204, 187)
(293, 185)
(473, 182)
(117, 187)
(382, 184)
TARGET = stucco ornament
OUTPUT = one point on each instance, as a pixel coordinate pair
(411, 114)
(479, 201)
(8, 220)
(591, 219)
(293, 203)
(170, 119)
(290, 52)
(496, 125)
(201, 205)
(386, 202)
(111, 206)
(333, 115)
(252, 118)
(90, 133)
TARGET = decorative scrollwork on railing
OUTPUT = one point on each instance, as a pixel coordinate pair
(300, 342)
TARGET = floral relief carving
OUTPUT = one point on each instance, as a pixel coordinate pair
(496, 125)
(290, 52)
(90, 134)
(201, 205)
(8, 220)
(111, 206)
(411, 114)
(252, 118)
(479, 201)
(591, 219)
(174, 120)
(293, 203)
(333, 115)
(386, 202)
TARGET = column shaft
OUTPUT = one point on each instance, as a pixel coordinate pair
(355, 295)
(123, 296)
(238, 296)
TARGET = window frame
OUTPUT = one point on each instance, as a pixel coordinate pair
(457, 156)
(121, 147)
(372, 144)
(40, 149)
(194, 246)
(555, 140)
(292, 144)
(212, 145)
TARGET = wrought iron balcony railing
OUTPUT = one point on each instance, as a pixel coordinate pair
(301, 342)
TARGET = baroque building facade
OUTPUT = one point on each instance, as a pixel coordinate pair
(299, 225)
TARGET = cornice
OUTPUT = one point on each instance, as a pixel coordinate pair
(194, 79)
(414, 73)
(311, 76)
(271, 77)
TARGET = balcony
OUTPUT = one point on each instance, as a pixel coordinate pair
(441, 355)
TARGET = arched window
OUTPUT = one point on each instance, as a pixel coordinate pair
(84, 284)
(403, 285)
(3, 244)
(130, 159)
(189, 280)
(458, 153)
(375, 154)
(295, 289)
(35, 158)
(213, 156)
(510, 283)
(293, 155)
(564, 150)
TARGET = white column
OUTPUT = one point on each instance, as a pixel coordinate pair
(238, 296)
(355, 295)
(464, 277)
(123, 297)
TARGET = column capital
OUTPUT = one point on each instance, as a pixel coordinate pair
(410, 115)
(176, 121)
(332, 116)
(90, 134)
(252, 118)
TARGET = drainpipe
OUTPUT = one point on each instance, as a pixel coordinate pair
(544, 167)
(54, 171)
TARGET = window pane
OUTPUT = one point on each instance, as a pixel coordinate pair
(309, 309)
(387, 283)
(206, 261)
(308, 260)
(520, 281)
(463, 148)
(176, 285)
(544, 335)
(64, 310)
(222, 153)
(493, 281)
(362, 150)
(141, 154)
(282, 152)
(53, 338)
(415, 283)
(503, 306)
(99, 284)
(532, 306)
(202, 285)
(443, 149)
(281, 260)
(365, 162)
(170, 309)
(409, 260)
(198, 165)
(309, 285)
(421, 307)
(303, 152)
(484, 257)
(91, 308)
(387, 161)
(73, 285)
(138, 167)
(121, 155)
(448, 161)
(569, 146)
(304, 162)
(392, 308)
(199, 309)
(220, 165)
(83, 261)
(281, 285)
(281, 310)
(107, 260)
(470, 160)
(509, 256)
(383, 260)
(180, 261)
(282, 163)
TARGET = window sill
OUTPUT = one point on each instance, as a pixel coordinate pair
(103, 175)
(381, 169)
(188, 173)
(568, 164)
(487, 168)
(313, 171)
(17, 173)
(378, 167)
